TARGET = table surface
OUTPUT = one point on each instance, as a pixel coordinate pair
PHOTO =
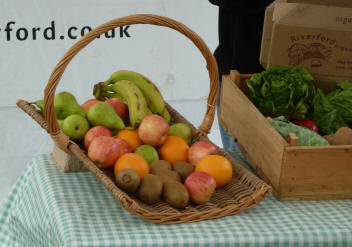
(49, 208)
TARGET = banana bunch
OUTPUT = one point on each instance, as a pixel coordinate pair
(141, 94)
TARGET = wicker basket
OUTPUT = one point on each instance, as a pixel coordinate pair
(245, 190)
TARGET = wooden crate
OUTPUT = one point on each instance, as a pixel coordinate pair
(295, 172)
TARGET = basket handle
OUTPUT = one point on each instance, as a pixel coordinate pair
(56, 133)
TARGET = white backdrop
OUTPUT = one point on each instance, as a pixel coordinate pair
(34, 34)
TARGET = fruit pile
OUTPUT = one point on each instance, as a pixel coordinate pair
(128, 129)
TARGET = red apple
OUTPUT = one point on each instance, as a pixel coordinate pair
(153, 130)
(123, 146)
(104, 151)
(308, 123)
(270, 115)
(118, 105)
(200, 149)
(126, 116)
(88, 104)
(94, 132)
(200, 186)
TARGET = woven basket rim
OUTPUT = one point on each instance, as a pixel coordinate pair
(259, 187)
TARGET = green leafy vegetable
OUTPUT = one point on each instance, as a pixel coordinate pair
(333, 110)
(283, 90)
(305, 136)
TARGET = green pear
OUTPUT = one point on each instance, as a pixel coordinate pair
(40, 104)
(66, 104)
(75, 126)
(181, 130)
(103, 114)
(61, 122)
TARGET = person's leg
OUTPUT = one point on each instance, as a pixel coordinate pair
(227, 141)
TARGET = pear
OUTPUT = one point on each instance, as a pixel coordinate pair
(61, 122)
(103, 114)
(65, 105)
(40, 104)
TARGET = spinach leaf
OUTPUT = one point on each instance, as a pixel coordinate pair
(333, 110)
(341, 99)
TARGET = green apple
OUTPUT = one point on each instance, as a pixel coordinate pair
(181, 130)
(75, 126)
(148, 152)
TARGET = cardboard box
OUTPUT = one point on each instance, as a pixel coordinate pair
(333, 3)
(314, 34)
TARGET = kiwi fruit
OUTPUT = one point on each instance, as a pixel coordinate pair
(183, 168)
(151, 188)
(159, 165)
(175, 194)
(168, 174)
(128, 180)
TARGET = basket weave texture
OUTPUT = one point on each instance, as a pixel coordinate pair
(245, 190)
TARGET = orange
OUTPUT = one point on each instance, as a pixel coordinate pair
(174, 149)
(130, 135)
(134, 161)
(217, 166)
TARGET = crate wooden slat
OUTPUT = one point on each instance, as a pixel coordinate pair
(325, 171)
(244, 122)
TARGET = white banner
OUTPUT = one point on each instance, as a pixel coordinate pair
(34, 35)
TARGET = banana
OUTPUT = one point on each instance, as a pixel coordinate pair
(109, 95)
(151, 92)
(137, 104)
(103, 92)
(166, 115)
(149, 111)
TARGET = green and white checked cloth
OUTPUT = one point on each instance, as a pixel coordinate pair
(49, 208)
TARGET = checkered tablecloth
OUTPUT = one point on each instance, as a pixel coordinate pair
(49, 208)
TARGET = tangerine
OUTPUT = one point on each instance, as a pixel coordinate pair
(218, 167)
(134, 161)
(130, 135)
(174, 149)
